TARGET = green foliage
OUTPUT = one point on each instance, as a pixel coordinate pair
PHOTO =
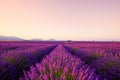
(69, 77)
(23, 61)
(92, 57)
(74, 50)
(35, 53)
(10, 59)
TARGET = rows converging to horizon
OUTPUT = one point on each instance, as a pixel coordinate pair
(59, 60)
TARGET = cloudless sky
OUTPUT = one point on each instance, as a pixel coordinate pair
(61, 19)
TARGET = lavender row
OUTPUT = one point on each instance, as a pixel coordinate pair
(107, 66)
(13, 46)
(12, 63)
(106, 49)
(60, 65)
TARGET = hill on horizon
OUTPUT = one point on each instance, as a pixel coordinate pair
(10, 38)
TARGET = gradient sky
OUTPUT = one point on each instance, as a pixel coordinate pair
(61, 19)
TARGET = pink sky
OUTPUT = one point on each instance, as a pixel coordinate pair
(61, 19)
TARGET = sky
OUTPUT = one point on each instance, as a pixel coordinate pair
(61, 19)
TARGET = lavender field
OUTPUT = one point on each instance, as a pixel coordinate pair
(59, 60)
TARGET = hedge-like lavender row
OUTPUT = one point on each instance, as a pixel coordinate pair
(12, 46)
(105, 49)
(13, 62)
(60, 65)
(107, 66)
